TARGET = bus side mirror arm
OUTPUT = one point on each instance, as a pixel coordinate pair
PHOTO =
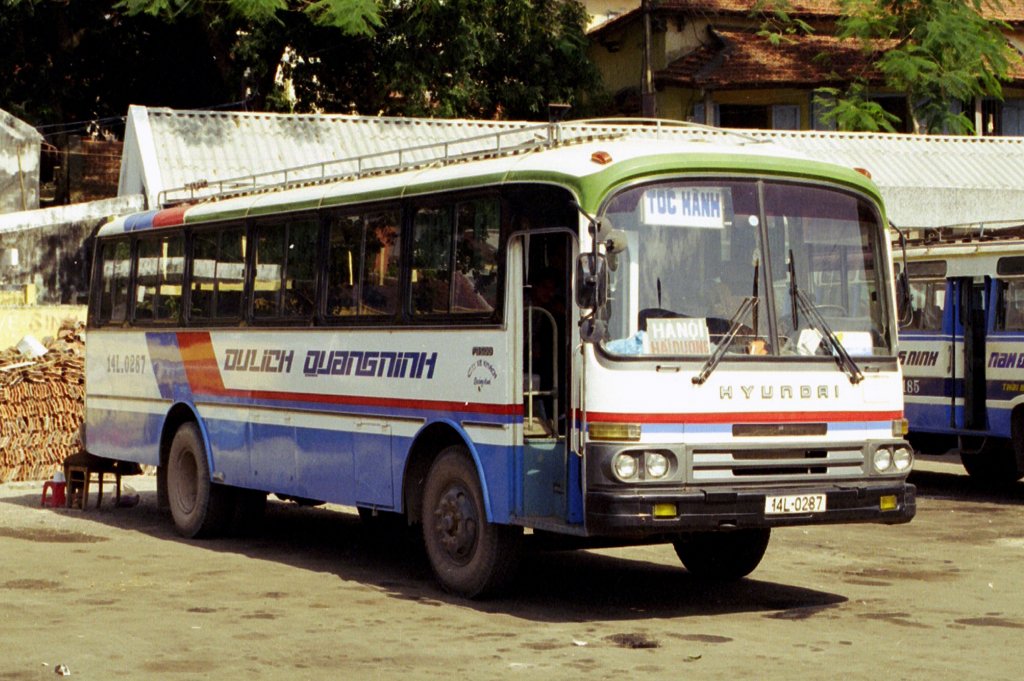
(904, 307)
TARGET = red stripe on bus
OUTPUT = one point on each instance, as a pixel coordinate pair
(747, 417)
(390, 402)
(204, 378)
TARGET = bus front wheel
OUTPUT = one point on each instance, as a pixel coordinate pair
(470, 556)
(199, 507)
(722, 556)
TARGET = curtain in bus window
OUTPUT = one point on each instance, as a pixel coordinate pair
(218, 276)
(158, 286)
(475, 284)
(379, 290)
(432, 252)
(116, 266)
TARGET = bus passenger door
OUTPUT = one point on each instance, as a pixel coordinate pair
(968, 346)
(550, 474)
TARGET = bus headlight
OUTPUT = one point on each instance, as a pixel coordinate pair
(882, 460)
(902, 459)
(656, 465)
(625, 466)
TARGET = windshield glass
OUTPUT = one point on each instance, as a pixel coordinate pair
(697, 250)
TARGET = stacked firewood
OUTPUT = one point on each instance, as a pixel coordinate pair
(41, 406)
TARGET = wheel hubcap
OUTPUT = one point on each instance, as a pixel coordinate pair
(186, 478)
(456, 524)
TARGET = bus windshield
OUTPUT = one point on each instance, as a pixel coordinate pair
(766, 267)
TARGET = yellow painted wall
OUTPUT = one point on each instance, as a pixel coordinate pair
(39, 321)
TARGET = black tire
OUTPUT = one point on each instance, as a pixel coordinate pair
(199, 507)
(470, 556)
(722, 556)
(995, 464)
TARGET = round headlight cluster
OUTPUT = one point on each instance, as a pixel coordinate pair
(626, 466)
(630, 466)
(896, 460)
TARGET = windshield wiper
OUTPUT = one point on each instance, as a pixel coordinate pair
(799, 300)
(723, 345)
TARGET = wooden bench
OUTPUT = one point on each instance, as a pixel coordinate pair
(83, 469)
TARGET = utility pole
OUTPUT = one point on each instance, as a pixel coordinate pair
(648, 106)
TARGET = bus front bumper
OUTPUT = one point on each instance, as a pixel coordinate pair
(652, 512)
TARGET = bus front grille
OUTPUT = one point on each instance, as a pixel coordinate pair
(778, 465)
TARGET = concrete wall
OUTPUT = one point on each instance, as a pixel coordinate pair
(50, 250)
(39, 321)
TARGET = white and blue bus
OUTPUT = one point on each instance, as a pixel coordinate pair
(962, 348)
(605, 334)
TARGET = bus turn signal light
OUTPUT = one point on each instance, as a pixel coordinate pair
(614, 431)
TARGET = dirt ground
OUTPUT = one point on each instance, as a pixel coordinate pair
(115, 594)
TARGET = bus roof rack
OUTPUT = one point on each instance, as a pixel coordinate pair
(961, 234)
(508, 142)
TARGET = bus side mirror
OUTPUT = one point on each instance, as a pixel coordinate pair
(591, 281)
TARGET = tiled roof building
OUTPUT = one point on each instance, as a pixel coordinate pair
(708, 63)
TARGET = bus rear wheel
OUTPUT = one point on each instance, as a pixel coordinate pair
(198, 507)
(995, 464)
(722, 556)
(470, 556)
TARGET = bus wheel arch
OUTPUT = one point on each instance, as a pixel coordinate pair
(428, 445)
(470, 556)
(198, 506)
(999, 461)
(176, 417)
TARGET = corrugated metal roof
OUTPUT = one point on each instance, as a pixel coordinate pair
(174, 148)
(927, 181)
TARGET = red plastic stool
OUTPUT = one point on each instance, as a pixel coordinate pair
(57, 490)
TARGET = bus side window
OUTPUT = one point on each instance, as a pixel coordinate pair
(218, 263)
(284, 284)
(1012, 305)
(159, 278)
(379, 290)
(115, 268)
(927, 302)
(455, 258)
(431, 260)
(476, 256)
(344, 253)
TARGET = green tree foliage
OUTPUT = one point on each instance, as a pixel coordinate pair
(939, 53)
(450, 58)
(482, 58)
(82, 61)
